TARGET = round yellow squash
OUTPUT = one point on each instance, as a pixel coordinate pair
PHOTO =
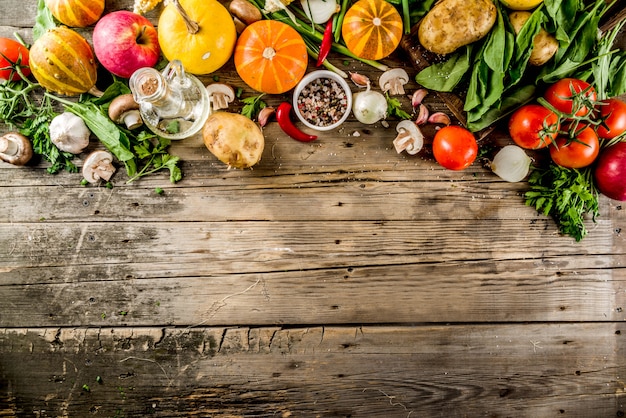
(62, 61)
(200, 34)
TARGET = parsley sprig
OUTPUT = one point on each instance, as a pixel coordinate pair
(567, 195)
(394, 108)
(252, 106)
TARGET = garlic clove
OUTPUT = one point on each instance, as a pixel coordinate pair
(265, 114)
(418, 96)
(422, 115)
(359, 79)
(439, 117)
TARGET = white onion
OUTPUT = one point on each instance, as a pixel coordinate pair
(319, 11)
(369, 106)
(511, 164)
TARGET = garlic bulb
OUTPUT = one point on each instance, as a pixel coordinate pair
(511, 164)
(320, 11)
(69, 133)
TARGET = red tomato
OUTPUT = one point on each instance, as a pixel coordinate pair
(533, 126)
(576, 152)
(454, 147)
(571, 95)
(613, 111)
(12, 52)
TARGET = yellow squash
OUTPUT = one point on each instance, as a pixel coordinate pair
(199, 33)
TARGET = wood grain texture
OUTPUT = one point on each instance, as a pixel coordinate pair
(335, 279)
(534, 370)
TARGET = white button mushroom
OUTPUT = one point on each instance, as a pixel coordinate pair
(98, 166)
(220, 95)
(124, 109)
(393, 81)
(69, 133)
(409, 139)
(15, 148)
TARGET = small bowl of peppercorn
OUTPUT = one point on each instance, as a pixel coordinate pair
(322, 100)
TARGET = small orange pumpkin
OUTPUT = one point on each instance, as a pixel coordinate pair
(270, 56)
(76, 13)
(372, 29)
(62, 61)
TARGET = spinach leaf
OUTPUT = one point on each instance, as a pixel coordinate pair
(445, 75)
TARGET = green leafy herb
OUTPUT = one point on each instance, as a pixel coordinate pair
(252, 106)
(566, 195)
(394, 108)
(43, 21)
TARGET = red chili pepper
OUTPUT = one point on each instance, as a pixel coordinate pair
(284, 121)
(327, 43)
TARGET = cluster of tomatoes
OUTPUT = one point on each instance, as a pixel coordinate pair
(570, 121)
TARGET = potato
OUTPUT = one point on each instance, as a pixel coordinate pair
(234, 139)
(451, 24)
(544, 44)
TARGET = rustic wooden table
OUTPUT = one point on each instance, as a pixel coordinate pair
(336, 278)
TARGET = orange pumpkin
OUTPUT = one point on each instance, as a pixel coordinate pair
(270, 56)
(76, 13)
(372, 29)
(62, 61)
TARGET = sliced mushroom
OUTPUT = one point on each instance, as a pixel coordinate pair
(409, 139)
(98, 166)
(220, 95)
(124, 109)
(393, 81)
(15, 148)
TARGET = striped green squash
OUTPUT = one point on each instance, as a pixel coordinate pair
(63, 62)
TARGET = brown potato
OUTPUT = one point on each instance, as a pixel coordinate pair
(451, 24)
(234, 139)
(544, 44)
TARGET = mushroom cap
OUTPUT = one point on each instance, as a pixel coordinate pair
(98, 165)
(16, 148)
(121, 105)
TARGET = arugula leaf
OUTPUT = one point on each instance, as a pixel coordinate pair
(567, 195)
(43, 21)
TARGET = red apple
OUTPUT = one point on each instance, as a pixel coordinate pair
(124, 41)
(610, 172)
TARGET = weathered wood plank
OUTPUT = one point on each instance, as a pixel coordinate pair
(305, 272)
(516, 370)
(249, 247)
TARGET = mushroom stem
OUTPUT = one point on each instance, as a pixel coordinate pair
(133, 120)
(15, 148)
(7, 146)
(220, 101)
